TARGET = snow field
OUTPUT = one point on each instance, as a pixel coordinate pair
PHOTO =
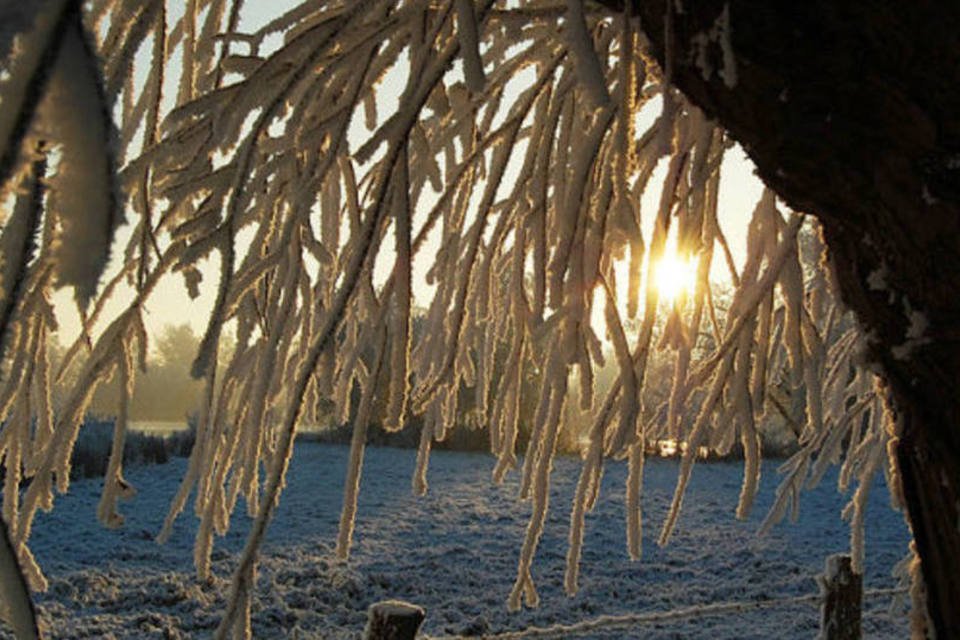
(454, 552)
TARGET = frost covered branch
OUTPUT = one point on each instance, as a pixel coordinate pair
(499, 147)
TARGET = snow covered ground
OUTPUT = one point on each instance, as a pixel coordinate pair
(454, 552)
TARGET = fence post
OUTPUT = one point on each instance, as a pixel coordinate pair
(393, 620)
(842, 591)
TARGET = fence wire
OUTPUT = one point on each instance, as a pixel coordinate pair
(630, 619)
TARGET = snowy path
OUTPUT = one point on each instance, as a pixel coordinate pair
(453, 552)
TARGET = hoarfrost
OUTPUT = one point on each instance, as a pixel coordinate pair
(915, 335)
(719, 33)
(877, 279)
(533, 200)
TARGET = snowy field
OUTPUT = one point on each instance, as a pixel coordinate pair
(454, 552)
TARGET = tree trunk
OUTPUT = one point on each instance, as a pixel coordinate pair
(851, 111)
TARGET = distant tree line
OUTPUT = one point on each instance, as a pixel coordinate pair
(165, 392)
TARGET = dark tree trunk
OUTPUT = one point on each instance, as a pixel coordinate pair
(851, 111)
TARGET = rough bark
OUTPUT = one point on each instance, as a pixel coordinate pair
(851, 111)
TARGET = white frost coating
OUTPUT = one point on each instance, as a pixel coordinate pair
(877, 281)
(719, 33)
(918, 325)
(699, 44)
(915, 335)
(729, 70)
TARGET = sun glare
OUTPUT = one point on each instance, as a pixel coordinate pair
(675, 276)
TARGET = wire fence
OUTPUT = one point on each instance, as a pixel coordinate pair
(630, 619)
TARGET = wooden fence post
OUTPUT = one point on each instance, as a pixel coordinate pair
(393, 620)
(842, 591)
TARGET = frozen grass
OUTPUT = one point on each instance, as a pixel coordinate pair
(453, 552)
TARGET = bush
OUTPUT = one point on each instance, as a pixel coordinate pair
(91, 454)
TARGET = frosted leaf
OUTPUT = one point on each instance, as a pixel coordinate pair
(19, 239)
(83, 191)
(31, 36)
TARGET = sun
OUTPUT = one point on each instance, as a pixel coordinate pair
(674, 276)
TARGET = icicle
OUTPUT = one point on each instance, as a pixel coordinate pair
(419, 482)
(743, 413)
(577, 512)
(206, 353)
(633, 493)
(693, 444)
(856, 509)
(635, 271)
(198, 456)
(789, 490)
(791, 285)
(56, 459)
(351, 486)
(256, 420)
(510, 391)
(114, 485)
(523, 587)
(125, 37)
(400, 321)
(626, 433)
(536, 432)
(588, 487)
(751, 470)
(573, 199)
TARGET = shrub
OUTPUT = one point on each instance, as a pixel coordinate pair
(92, 451)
